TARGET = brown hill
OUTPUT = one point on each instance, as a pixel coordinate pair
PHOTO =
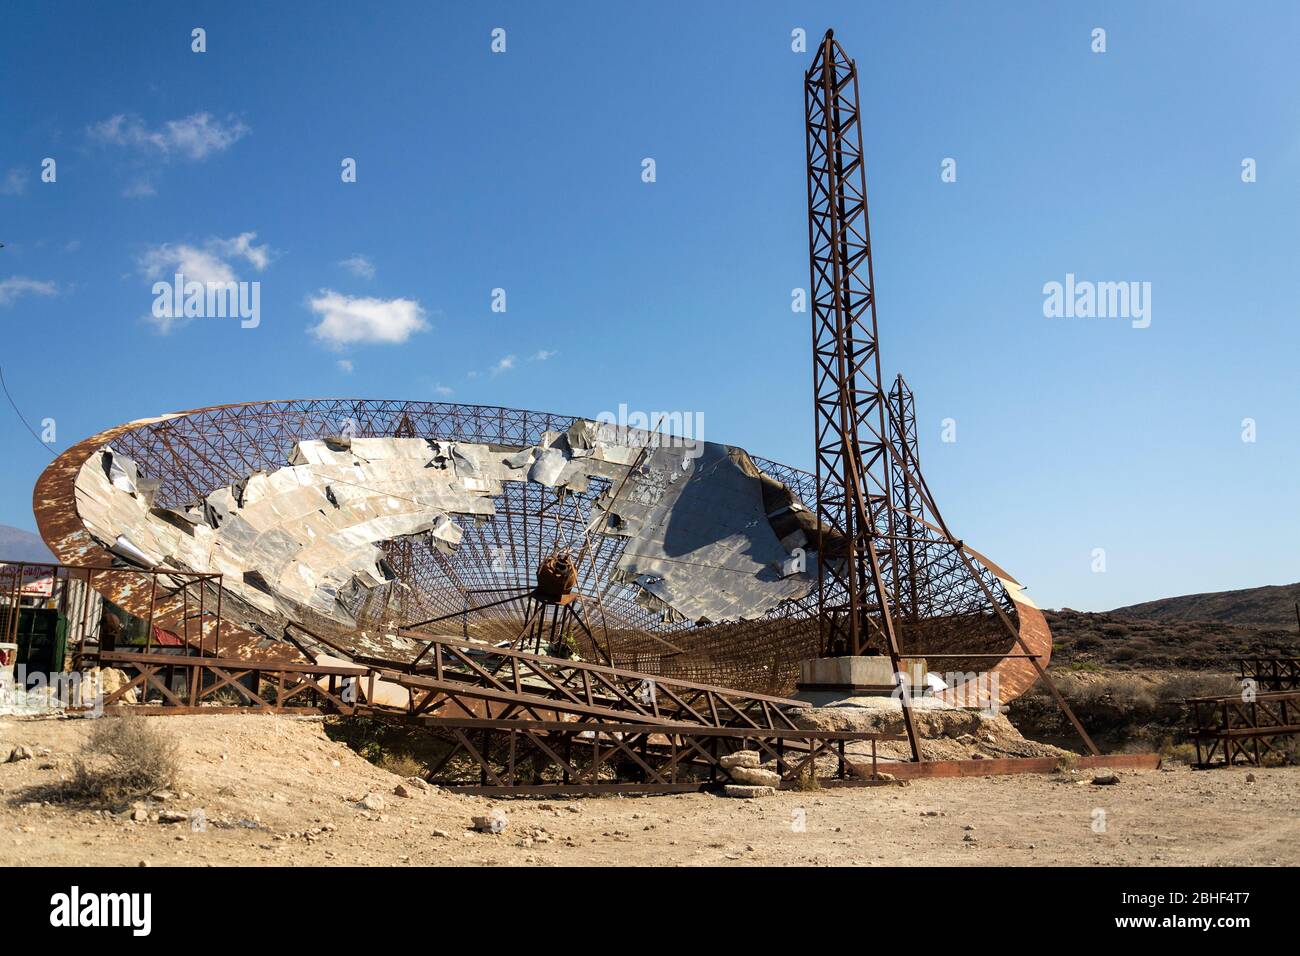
(1085, 641)
(1273, 606)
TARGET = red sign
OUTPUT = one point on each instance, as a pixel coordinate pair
(37, 581)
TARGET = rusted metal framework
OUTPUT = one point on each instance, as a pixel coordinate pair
(190, 683)
(1242, 728)
(850, 432)
(911, 583)
(182, 605)
(457, 677)
(1271, 673)
(502, 757)
(879, 554)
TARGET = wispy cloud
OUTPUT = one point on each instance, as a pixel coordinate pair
(543, 355)
(194, 137)
(505, 365)
(14, 182)
(345, 365)
(212, 261)
(15, 286)
(359, 266)
(141, 188)
(355, 320)
(442, 390)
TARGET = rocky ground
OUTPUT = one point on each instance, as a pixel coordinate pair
(278, 791)
(947, 732)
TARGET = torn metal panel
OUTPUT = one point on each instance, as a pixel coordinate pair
(702, 544)
(700, 539)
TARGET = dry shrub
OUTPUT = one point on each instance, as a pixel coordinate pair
(404, 765)
(1067, 762)
(124, 758)
(1177, 687)
(808, 780)
(1171, 752)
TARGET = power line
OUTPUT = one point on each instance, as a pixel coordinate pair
(14, 406)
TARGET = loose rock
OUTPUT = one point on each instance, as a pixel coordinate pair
(741, 758)
(755, 777)
(744, 792)
(494, 822)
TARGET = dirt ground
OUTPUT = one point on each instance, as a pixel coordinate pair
(277, 791)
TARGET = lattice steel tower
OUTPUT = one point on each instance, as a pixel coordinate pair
(850, 414)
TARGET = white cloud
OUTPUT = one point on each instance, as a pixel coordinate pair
(259, 257)
(345, 365)
(442, 390)
(348, 320)
(14, 183)
(505, 365)
(15, 286)
(543, 355)
(194, 137)
(360, 266)
(205, 263)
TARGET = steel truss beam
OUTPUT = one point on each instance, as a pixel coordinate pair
(1243, 727)
(549, 756)
(461, 678)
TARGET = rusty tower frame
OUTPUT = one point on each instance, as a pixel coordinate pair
(850, 414)
(849, 403)
(885, 554)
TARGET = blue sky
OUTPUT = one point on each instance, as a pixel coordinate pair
(522, 171)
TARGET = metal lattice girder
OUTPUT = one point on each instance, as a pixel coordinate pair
(501, 757)
(852, 443)
(1243, 727)
(1271, 673)
(456, 675)
(850, 413)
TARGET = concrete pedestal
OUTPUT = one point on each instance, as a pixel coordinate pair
(824, 679)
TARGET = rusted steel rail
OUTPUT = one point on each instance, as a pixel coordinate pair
(1271, 673)
(290, 687)
(497, 682)
(1242, 727)
(523, 757)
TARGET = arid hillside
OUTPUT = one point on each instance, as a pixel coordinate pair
(1267, 607)
(1088, 641)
